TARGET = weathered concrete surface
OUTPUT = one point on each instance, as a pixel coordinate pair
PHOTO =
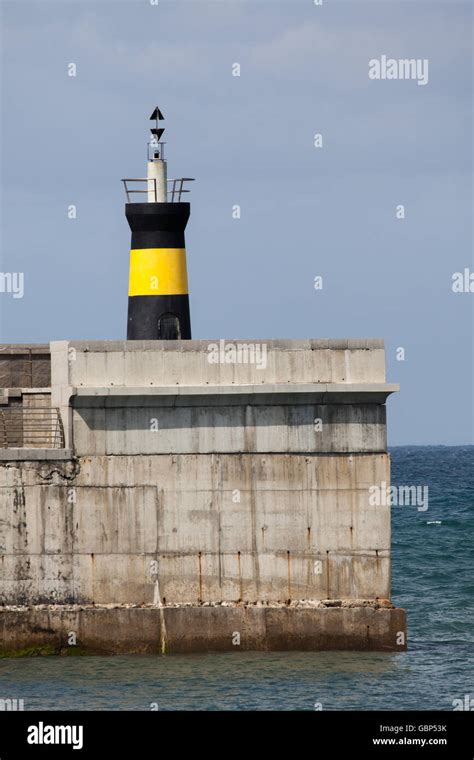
(191, 482)
(144, 427)
(198, 629)
(167, 363)
(189, 528)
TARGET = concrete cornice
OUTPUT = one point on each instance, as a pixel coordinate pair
(251, 394)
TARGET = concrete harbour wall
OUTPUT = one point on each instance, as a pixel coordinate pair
(189, 483)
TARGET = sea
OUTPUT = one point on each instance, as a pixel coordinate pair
(432, 578)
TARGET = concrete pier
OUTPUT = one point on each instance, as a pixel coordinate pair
(201, 490)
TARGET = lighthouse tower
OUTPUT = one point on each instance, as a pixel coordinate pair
(158, 300)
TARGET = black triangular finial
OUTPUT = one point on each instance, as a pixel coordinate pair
(157, 115)
(157, 131)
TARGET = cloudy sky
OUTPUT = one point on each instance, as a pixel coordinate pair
(249, 140)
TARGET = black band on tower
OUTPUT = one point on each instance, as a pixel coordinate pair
(158, 318)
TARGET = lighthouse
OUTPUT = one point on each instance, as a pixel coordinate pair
(158, 296)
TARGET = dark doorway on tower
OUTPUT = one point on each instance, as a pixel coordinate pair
(168, 327)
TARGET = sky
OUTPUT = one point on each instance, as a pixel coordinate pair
(249, 141)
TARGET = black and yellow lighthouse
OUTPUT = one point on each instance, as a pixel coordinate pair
(158, 296)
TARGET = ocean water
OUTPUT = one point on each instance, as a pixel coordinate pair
(432, 578)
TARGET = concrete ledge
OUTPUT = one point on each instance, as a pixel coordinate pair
(253, 394)
(199, 629)
(8, 393)
(340, 344)
(32, 391)
(12, 349)
(34, 455)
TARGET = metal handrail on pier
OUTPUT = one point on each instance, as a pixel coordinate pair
(36, 427)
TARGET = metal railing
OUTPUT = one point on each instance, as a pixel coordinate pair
(31, 428)
(178, 188)
(175, 188)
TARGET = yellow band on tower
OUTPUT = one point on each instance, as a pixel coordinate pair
(158, 272)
